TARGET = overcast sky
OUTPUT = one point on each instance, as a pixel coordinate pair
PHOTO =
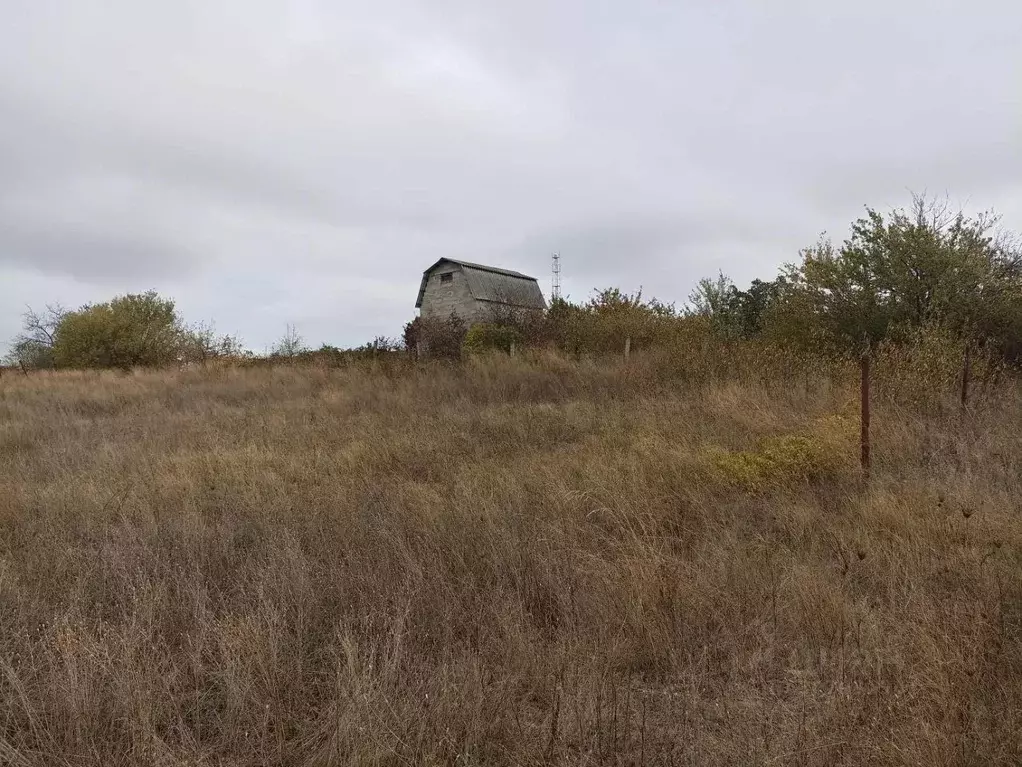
(268, 162)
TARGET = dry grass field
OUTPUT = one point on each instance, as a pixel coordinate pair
(513, 562)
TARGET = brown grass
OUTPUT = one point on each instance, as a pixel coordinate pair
(515, 562)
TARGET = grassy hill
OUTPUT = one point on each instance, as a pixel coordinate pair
(517, 561)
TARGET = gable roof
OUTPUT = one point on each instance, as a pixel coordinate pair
(489, 283)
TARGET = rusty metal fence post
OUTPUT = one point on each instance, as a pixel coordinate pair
(966, 370)
(865, 457)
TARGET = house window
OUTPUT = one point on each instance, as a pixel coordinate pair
(448, 277)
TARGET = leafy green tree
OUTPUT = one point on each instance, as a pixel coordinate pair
(200, 343)
(733, 313)
(748, 309)
(711, 297)
(611, 316)
(563, 325)
(30, 354)
(290, 345)
(411, 334)
(909, 269)
(135, 330)
(789, 317)
(488, 336)
(440, 338)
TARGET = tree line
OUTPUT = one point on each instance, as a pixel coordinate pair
(135, 330)
(925, 267)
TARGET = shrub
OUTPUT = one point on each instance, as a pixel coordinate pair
(129, 331)
(488, 336)
(435, 337)
(611, 316)
(332, 356)
(201, 343)
(787, 460)
(925, 369)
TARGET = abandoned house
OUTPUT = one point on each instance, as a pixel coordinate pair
(474, 292)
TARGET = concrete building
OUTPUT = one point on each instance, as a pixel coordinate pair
(474, 292)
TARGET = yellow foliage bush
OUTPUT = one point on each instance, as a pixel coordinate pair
(926, 371)
(822, 453)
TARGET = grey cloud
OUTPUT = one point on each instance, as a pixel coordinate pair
(673, 248)
(991, 166)
(89, 256)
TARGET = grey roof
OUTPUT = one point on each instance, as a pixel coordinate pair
(488, 283)
(481, 268)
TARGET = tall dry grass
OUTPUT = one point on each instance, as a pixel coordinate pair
(512, 562)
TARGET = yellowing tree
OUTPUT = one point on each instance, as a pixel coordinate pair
(137, 330)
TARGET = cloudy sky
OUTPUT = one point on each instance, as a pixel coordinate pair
(268, 162)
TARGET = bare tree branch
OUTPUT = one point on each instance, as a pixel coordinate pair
(41, 327)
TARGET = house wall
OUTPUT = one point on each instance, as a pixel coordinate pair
(440, 299)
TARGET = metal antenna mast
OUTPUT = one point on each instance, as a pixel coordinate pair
(555, 281)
